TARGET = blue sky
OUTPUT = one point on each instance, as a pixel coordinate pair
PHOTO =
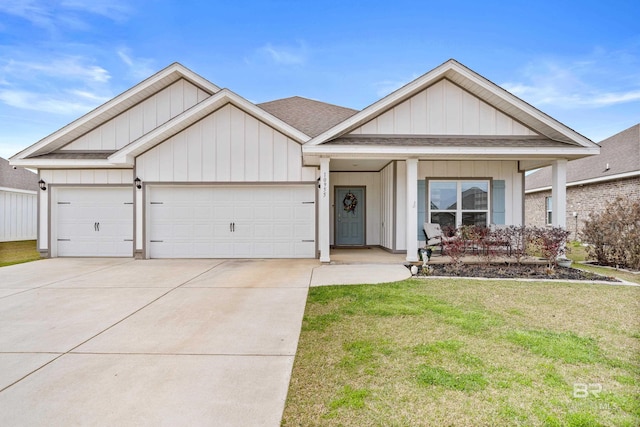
(577, 61)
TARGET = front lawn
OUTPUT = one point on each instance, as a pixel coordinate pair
(464, 352)
(18, 252)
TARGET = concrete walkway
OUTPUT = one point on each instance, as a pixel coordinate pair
(157, 342)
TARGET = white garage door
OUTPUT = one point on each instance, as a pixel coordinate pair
(93, 222)
(231, 222)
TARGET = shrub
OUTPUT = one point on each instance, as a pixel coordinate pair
(518, 237)
(551, 242)
(454, 248)
(613, 235)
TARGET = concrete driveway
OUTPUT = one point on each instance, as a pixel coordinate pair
(155, 342)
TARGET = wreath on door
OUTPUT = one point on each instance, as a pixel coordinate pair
(350, 202)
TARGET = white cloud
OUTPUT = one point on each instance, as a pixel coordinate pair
(68, 103)
(140, 68)
(70, 68)
(68, 85)
(595, 81)
(112, 9)
(286, 55)
(53, 14)
(35, 11)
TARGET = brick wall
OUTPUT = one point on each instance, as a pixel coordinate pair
(582, 199)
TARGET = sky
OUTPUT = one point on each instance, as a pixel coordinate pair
(577, 61)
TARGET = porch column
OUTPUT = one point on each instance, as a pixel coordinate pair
(324, 207)
(412, 209)
(559, 193)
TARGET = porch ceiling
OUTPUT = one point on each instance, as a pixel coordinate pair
(358, 165)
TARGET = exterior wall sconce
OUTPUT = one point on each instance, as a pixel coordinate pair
(138, 183)
(43, 185)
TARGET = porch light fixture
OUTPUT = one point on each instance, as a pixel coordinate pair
(43, 185)
(138, 183)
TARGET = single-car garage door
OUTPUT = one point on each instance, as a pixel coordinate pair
(93, 221)
(270, 221)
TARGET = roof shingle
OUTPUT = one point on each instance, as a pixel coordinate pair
(309, 116)
(619, 154)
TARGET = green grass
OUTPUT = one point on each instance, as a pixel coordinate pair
(564, 346)
(18, 252)
(459, 353)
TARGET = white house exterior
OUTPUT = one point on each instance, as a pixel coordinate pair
(221, 177)
(18, 203)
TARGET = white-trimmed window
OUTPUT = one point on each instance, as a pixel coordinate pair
(453, 203)
(548, 203)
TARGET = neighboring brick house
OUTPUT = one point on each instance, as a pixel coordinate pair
(592, 182)
(18, 203)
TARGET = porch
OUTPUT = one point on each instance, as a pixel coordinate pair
(372, 255)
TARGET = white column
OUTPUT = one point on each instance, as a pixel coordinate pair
(559, 193)
(412, 209)
(323, 211)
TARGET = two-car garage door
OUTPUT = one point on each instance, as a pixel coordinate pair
(264, 221)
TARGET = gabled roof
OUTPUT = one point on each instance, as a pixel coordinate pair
(127, 154)
(475, 84)
(619, 157)
(115, 107)
(310, 116)
(18, 178)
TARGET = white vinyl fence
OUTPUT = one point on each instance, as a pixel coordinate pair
(18, 214)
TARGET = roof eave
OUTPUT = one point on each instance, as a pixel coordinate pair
(170, 74)
(43, 163)
(607, 178)
(475, 83)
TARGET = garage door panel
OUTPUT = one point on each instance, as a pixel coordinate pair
(234, 222)
(93, 221)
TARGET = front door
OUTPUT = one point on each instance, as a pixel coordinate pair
(349, 216)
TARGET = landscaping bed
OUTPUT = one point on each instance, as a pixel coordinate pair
(511, 271)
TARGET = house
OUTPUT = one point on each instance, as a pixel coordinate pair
(178, 167)
(592, 182)
(18, 203)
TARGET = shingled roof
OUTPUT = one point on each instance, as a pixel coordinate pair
(19, 178)
(619, 154)
(309, 116)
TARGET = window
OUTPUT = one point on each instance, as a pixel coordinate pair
(548, 203)
(454, 203)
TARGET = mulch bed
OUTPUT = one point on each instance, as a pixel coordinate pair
(512, 271)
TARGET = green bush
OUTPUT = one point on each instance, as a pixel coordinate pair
(613, 235)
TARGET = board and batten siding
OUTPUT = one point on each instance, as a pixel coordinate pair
(141, 118)
(504, 170)
(443, 109)
(18, 215)
(228, 145)
(371, 181)
(74, 177)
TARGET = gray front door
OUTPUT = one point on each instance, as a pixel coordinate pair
(349, 216)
